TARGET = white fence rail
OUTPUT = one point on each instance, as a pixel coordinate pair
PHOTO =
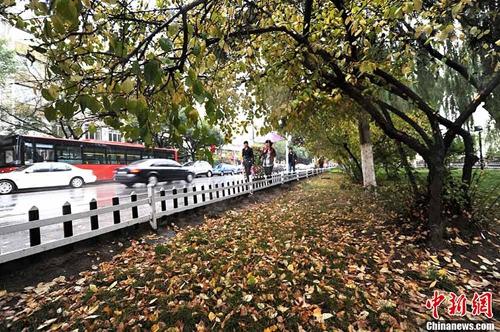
(158, 203)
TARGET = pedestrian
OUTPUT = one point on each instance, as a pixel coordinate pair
(268, 154)
(321, 162)
(248, 159)
(292, 160)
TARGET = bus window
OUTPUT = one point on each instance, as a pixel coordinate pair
(116, 156)
(28, 153)
(44, 152)
(133, 156)
(7, 155)
(147, 154)
(94, 155)
(69, 154)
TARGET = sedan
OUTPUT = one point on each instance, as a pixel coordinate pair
(223, 169)
(46, 174)
(153, 171)
(200, 167)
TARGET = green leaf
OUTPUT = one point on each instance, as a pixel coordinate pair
(50, 113)
(67, 10)
(50, 94)
(66, 108)
(166, 44)
(128, 85)
(152, 72)
(199, 92)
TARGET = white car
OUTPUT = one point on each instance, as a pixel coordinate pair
(200, 167)
(46, 174)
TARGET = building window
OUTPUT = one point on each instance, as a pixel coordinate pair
(114, 137)
(96, 135)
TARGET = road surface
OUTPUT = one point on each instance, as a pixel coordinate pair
(14, 208)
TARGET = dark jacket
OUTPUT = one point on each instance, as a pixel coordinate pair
(247, 155)
(292, 158)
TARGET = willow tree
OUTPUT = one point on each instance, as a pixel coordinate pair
(114, 57)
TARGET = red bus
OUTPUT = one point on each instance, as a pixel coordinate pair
(100, 156)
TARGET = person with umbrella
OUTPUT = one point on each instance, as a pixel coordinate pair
(268, 155)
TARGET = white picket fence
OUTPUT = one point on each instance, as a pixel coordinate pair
(158, 203)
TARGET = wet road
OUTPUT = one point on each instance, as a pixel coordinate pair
(14, 208)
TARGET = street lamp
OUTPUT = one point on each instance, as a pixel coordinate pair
(479, 129)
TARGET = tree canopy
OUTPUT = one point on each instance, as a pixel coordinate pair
(132, 63)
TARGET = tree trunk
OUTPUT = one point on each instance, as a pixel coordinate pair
(367, 163)
(356, 161)
(436, 181)
(408, 170)
(470, 158)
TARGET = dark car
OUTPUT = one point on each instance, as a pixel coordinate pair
(152, 171)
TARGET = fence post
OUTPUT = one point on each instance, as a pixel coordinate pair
(152, 203)
(210, 195)
(307, 173)
(67, 225)
(186, 200)
(94, 220)
(163, 201)
(234, 189)
(176, 203)
(203, 194)
(116, 214)
(223, 190)
(34, 215)
(195, 197)
(135, 210)
(217, 190)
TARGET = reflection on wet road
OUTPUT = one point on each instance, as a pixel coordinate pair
(14, 208)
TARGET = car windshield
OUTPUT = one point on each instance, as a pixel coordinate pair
(190, 163)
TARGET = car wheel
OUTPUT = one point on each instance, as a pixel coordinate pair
(76, 182)
(153, 180)
(209, 174)
(189, 178)
(6, 187)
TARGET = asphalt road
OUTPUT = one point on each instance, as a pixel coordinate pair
(14, 208)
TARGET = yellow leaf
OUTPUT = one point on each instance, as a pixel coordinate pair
(93, 288)
(433, 284)
(317, 313)
(211, 316)
(155, 328)
(417, 5)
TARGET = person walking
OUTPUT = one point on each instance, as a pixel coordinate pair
(292, 160)
(248, 159)
(268, 154)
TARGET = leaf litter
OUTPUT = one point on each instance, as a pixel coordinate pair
(320, 257)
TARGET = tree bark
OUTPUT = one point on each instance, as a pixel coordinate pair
(436, 182)
(408, 170)
(470, 158)
(367, 164)
(353, 157)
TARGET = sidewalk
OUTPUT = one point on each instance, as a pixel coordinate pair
(318, 257)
